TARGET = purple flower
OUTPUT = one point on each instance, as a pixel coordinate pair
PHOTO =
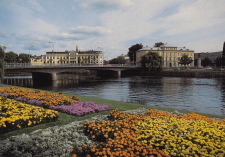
(4, 94)
(34, 102)
(21, 99)
(81, 108)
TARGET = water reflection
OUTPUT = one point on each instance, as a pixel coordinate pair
(223, 95)
(193, 94)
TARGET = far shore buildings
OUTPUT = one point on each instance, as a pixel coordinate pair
(211, 55)
(69, 57)
(170, 54)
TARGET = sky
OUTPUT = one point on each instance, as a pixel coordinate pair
(112, 26)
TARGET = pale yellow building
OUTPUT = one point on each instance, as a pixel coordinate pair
(170, 54)
(36, 61)
(73, 57)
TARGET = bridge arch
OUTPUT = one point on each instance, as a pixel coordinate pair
(48, 74)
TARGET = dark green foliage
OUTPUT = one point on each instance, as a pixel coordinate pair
(2, 69)
(24, 58)
(118, 60)
(224, 49)
(11, 57)
(185, 60)
(220, 61)
(2, 63)
(206, 62)
(158, 44)
(132, 51)
(2, 52)
(152, 60)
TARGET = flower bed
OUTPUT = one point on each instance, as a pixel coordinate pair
(55, 101)
(45, 99)
(155, 134)
(15, 115)
(81, 108)
(82, 138)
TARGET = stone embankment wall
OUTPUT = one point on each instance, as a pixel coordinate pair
(204, 74)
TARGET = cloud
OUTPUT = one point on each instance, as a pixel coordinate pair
(67, 36)
(81, 33)
(4, 35)
(96, 31)
(31, 37)
(35, 5)
(194, 17)
(36, 46)
(40, 26)
(106, 4)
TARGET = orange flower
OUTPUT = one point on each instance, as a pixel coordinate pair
(84, 145)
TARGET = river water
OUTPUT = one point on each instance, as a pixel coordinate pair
(204, 95)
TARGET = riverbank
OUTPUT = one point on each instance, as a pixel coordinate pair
(178, 72)
(198, 73)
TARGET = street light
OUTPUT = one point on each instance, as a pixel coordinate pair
(53, 45)
(29, 53)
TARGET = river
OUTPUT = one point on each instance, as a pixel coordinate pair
(204, 95)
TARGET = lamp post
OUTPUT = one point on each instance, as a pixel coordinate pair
(30, 54)
(53, 45)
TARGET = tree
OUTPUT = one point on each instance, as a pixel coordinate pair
(2, 63)
(224, 49)
(24, 58)
(158, 44)
(206, 62)
(132, 51)
(118, 60)
(11, 57)
(2, 52)
(185, 60)
(220, 61)
(152, 60)
(223, 55)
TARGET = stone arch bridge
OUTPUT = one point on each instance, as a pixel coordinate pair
(43, 73)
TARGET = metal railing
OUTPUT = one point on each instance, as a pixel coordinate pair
(27, 65)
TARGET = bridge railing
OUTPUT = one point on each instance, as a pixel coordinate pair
(24, 65)
(17, 65)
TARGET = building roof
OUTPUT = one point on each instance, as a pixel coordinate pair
(163, 46)
(80, 52)
(89, 52)
(57, 52)
(151, 48)
(167, 45)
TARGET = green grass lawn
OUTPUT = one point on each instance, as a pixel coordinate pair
(65, 118)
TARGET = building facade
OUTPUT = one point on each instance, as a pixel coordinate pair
(211, 55)
(36, 61)
(73, 57)
(170, 54)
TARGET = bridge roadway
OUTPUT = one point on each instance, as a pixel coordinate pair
(49, 72)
